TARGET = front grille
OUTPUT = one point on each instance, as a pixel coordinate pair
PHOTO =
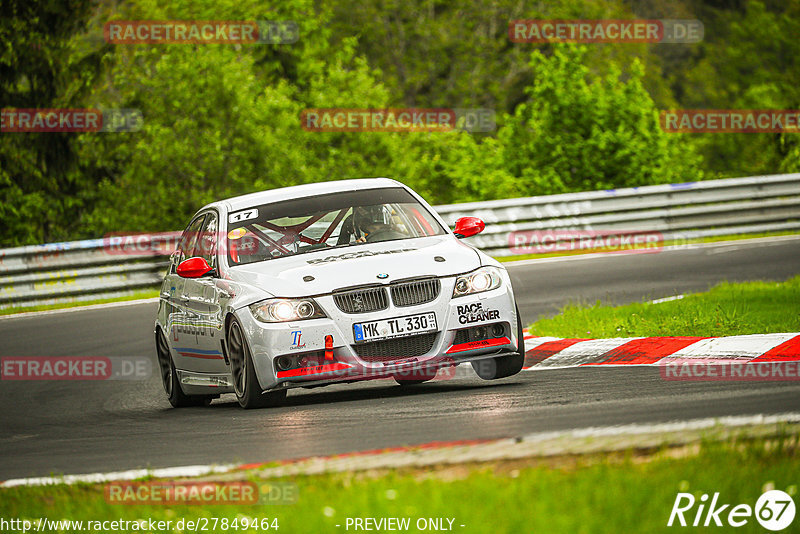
(462, 336)
(396, 349)
(415, 292)
(362, 300)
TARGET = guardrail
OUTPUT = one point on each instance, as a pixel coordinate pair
(84, 270)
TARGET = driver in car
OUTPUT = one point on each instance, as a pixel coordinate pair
(364, 220)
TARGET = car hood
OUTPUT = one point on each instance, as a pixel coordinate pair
(358, 265)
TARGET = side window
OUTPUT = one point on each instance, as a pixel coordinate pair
(189, 238)
(206, 246)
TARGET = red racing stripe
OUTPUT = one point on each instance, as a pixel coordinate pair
(787, 351)
(472, 345)
(644, 351)
(547, 349)
(201, 356)
(317, 369)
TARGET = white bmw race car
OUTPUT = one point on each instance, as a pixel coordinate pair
(327, 283)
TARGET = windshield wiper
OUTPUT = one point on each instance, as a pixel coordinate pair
(354, 243)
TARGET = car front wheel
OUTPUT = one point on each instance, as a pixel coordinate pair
(169, 378)
(503, 366)
(245, 383)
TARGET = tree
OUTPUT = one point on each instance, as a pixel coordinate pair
(42, 191)
(222, 120)
(749, 59)
(449, 167)
(575, 133)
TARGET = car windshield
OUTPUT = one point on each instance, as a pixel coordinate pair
(309, 224)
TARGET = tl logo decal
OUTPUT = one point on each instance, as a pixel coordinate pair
(296, 335)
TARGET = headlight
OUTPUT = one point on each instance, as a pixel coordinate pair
(282, 310)
(478, 281)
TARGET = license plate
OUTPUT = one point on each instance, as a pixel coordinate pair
(399, 326)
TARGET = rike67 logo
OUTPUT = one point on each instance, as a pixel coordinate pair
(774, 510)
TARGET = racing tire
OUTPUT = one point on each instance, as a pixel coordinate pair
(245, 382)
(503, 366)
(169, 378)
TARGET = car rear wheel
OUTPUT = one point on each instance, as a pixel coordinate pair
(245, 383)
(169, 378)
(503, 366)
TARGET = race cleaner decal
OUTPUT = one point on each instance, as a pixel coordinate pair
(473, 313)
(354, 255)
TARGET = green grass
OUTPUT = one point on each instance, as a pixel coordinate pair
(144, 294)
(668, 243)
(624, 493)
(727, 309)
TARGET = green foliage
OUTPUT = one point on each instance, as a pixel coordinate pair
(458, 54)
(42, 66)
(450, 167)
(749, 59)
(725, 310)
(222, 120)
(575, 134)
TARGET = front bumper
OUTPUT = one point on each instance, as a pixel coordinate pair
(340, 360)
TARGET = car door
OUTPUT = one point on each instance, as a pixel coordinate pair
(179, 326)
(201, 350)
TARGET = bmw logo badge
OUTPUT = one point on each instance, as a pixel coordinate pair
(383, 275)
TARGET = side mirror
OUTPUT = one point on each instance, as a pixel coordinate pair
(468, 227)
(193, 268)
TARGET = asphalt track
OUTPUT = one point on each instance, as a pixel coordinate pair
(81, 427)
